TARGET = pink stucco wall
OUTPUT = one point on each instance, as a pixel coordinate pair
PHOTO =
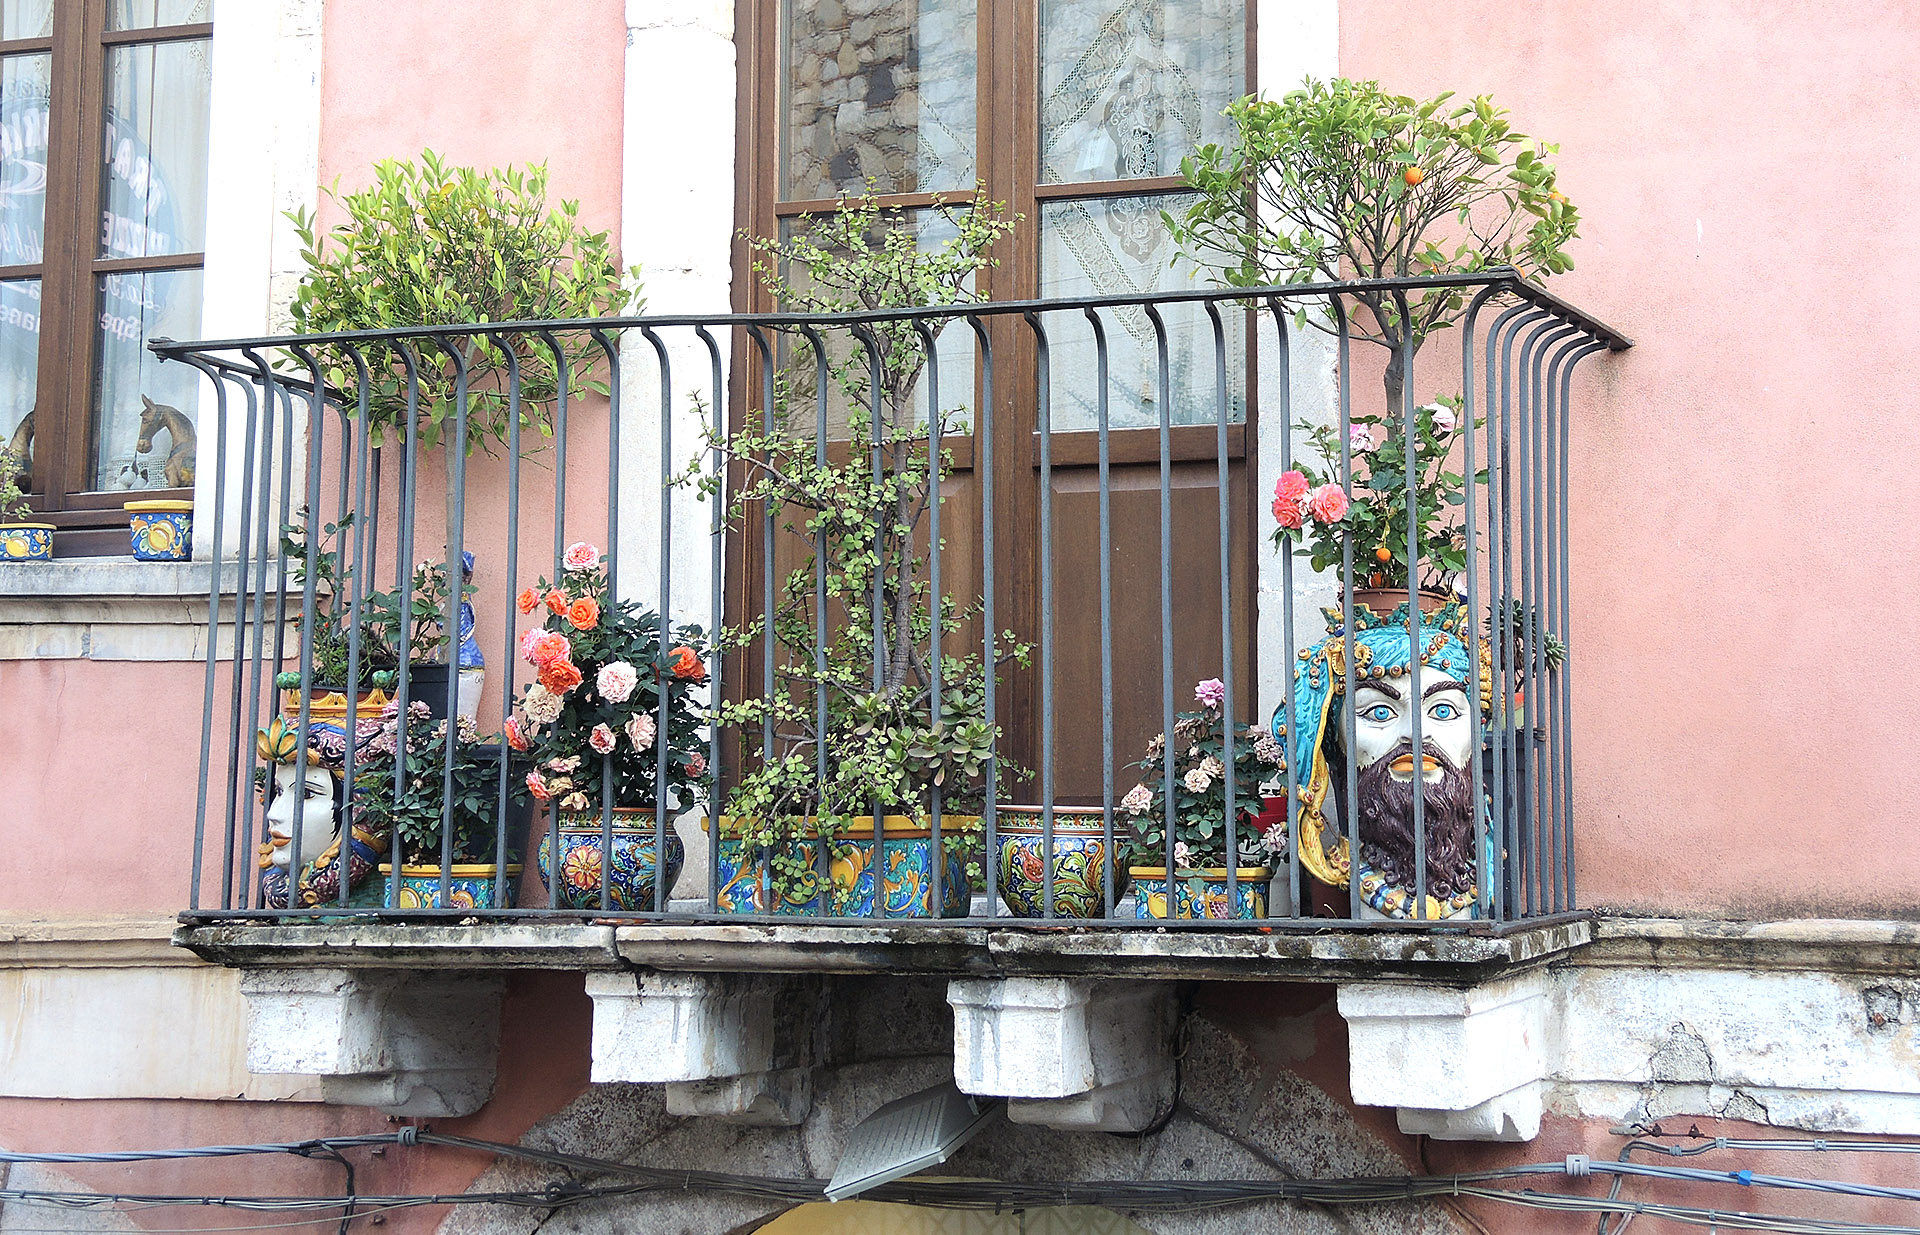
(1742, 508)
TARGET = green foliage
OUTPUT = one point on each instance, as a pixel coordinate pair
(14, 506)
(1315, 187)
(429, 244)
(1511, 626)
(890, 741)
(559, 714)
(384, 629)
(414, 813)
(1377, 519)
(1200, 834)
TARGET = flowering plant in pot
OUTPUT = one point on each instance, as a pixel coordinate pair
(1198, 814)
(20, 539)
(610, 719)
(401, 793)
(1311, 508)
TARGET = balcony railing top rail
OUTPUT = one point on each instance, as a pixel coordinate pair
(1157, 422)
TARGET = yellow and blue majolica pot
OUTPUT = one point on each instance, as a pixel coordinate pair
(162, 530)
(26, 542)
(1201, 893)
(631, 873)
(1080, 859)
(469, 886)
(842, 884)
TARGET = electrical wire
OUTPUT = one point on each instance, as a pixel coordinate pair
(1146, 1195)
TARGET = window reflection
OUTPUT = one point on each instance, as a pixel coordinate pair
(127, 377)
(153, 185)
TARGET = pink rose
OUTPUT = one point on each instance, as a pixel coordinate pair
(601, 739)
(1328, 504)
(697, 764)
(1443, 419)
(1359, 439)
(1212, 692)
(640, 731)
(616, 681)
(546, 647)
(516, 735)
(1287, 498)
(580, 555)
(537, 784)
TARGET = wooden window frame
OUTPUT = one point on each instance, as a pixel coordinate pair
(90, 522)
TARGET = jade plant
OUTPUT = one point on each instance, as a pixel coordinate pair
(890, 741)
(1342, 180)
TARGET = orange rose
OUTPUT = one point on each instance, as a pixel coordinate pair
(557, 601)
(529, 601)
(560, 677)
(584, 613)
(685, 663)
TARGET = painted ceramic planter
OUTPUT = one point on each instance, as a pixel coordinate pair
(1080, 858)
(162, 530)
(633, 870)
(26, 542)
(1208, 899)
(469, 886)
(843, 884)
(1383, 601)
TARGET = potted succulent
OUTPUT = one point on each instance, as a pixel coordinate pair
(1341, 180)
(20, 539)
(1192, 802)
(400, 792)
(610, 719)
(800, 835)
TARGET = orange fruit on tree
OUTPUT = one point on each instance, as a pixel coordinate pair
(1383, 554)
(1414, 176)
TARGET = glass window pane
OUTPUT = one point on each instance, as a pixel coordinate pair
(26, 19)
(19, 366)
(145, 14)
(153, 187)
(133, 449)
(1115, 246)
(24, 91)
(880, 89)
(1129, 87)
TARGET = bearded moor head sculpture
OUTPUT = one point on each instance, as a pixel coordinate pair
(1376, 700)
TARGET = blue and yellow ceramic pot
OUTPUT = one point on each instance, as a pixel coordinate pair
(1201, 893)
(162, 531)
(630, 875)
(1080, 859)
(26, 542)
(841, 882)
(469, 886)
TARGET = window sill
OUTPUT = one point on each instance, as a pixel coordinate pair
(112, 610)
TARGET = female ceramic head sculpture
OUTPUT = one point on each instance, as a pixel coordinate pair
(306, 798)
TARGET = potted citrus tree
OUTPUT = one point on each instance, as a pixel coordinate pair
(1343, 180)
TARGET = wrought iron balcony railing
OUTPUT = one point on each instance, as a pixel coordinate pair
(1004, 547)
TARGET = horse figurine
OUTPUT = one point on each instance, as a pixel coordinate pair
(180, 457)
(21, 448)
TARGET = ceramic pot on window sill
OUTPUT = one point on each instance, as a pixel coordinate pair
(162, 531)
(26, 542)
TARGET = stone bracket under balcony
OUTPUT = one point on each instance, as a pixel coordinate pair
(417, 1044)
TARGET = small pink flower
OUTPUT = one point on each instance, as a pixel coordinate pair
(1181, 854)
(616, 681)
(1359, 438)
(640, 731)
(1212, 692)
(1139, 800)
(516, 733)
(580, 556)
(1443, 419)
(1288, 494)
(1328, 504)
(697, 764)
(601, 739)
(537, 785)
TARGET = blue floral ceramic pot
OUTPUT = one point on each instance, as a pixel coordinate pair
(26, 542)
(1201, 893)
(842, 884)
(469, 886)
(630, 876)
(1080, 859)
(162, 531)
